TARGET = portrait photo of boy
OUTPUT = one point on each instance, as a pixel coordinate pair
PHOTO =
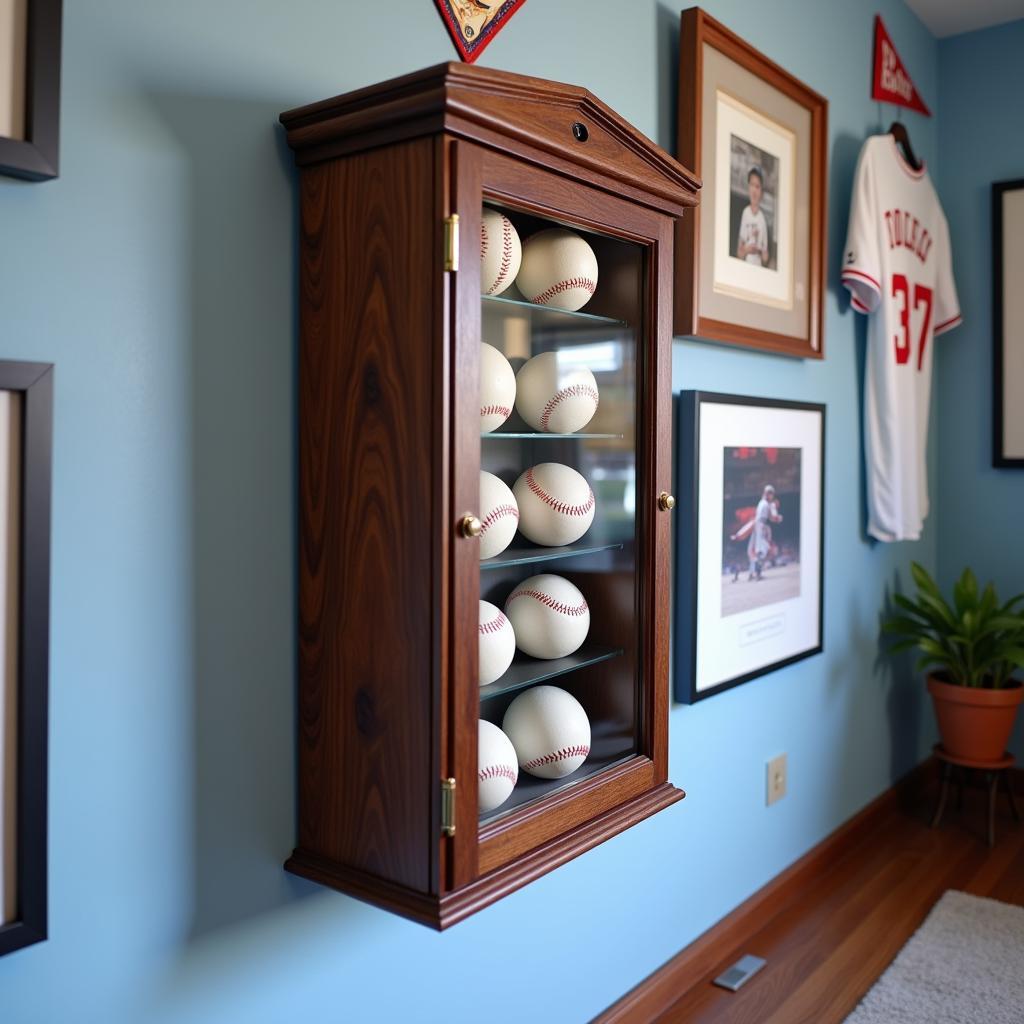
(752, 242)
(753, 186)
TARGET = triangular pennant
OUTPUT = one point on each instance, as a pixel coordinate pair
(892, 83)
(474, 23)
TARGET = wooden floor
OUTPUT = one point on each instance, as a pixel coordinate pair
(825, 952)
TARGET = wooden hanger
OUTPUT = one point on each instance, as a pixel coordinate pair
(898, 130)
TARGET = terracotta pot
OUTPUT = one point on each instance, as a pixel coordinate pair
(975, 723)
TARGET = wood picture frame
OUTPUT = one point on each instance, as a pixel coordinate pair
(740, 113)
(1007, 324)
(741, 613)
(27, 880)
(35, 155)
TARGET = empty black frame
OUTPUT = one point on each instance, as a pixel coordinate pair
(36, 156)
(34, 381)
(999, 457)
(688, 484)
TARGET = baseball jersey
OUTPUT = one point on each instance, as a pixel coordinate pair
(753, 231)
(761, 537)
(898, 267)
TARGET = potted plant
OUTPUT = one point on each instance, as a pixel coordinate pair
(972, 648)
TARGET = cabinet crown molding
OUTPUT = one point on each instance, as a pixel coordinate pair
(494, 108)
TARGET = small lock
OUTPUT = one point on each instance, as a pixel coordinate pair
(580, 132)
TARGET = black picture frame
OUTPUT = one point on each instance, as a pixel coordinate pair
(1000, 460)
(688, 484)
(35, 158)
(35, 383)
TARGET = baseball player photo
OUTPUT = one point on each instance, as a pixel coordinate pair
(899, 270)
(761, 528)
(754, 180)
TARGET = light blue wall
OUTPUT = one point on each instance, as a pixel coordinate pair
(982, 141)
(158, 273)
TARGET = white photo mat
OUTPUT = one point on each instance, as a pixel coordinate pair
(737, 645)
(733, 276)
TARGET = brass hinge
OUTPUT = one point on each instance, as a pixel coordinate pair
(451, 242)
(448, 807)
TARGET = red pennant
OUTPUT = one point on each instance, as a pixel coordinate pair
(892, 83)
(472, 24)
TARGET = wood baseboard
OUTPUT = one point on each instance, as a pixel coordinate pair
(656, 993)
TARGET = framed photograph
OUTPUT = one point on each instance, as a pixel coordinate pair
(1008, 323)
(751, 532)
(30, 33)
(750, 260)
(26, 427)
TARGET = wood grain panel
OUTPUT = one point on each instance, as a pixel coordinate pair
(369, 283)
(463, 690)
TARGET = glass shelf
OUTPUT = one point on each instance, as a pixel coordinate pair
(530, 789)
(539, 436)
(525, 671)
(547, 317)
(523, 555)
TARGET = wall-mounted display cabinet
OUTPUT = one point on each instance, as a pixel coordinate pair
(485, 275)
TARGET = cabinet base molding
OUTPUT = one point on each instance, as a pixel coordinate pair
(496, 884)
(690, 966)
(451, 908)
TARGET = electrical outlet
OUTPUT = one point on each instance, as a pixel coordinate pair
(776, 788)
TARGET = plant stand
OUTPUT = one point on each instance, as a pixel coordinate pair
(993, 770)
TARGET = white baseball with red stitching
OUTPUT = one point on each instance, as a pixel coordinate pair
(559, 269)
(497, 643)
(498, 768)
(501, 252)
(554, 394)
(556, 505)
(549, 730)
(497, 389)
(550, 616)
(499, 515)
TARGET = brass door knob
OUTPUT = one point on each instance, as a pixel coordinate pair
(470, 526)
(666, 502)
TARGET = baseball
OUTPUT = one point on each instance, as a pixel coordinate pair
(558, 269)
(498, 767)
(555, 396)
(497, 643)
(499, 515)
(555, 504)
(549, 615)
(500, 252)
(497, 389)
(549, 730)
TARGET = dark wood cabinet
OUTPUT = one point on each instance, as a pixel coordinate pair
(394, 183)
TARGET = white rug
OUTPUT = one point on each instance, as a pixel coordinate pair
(964, 965)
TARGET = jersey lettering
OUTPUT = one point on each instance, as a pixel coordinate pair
(907, 232)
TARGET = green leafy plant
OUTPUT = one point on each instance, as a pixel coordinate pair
(976, 641)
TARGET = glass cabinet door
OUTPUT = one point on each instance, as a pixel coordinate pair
(560, 558)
